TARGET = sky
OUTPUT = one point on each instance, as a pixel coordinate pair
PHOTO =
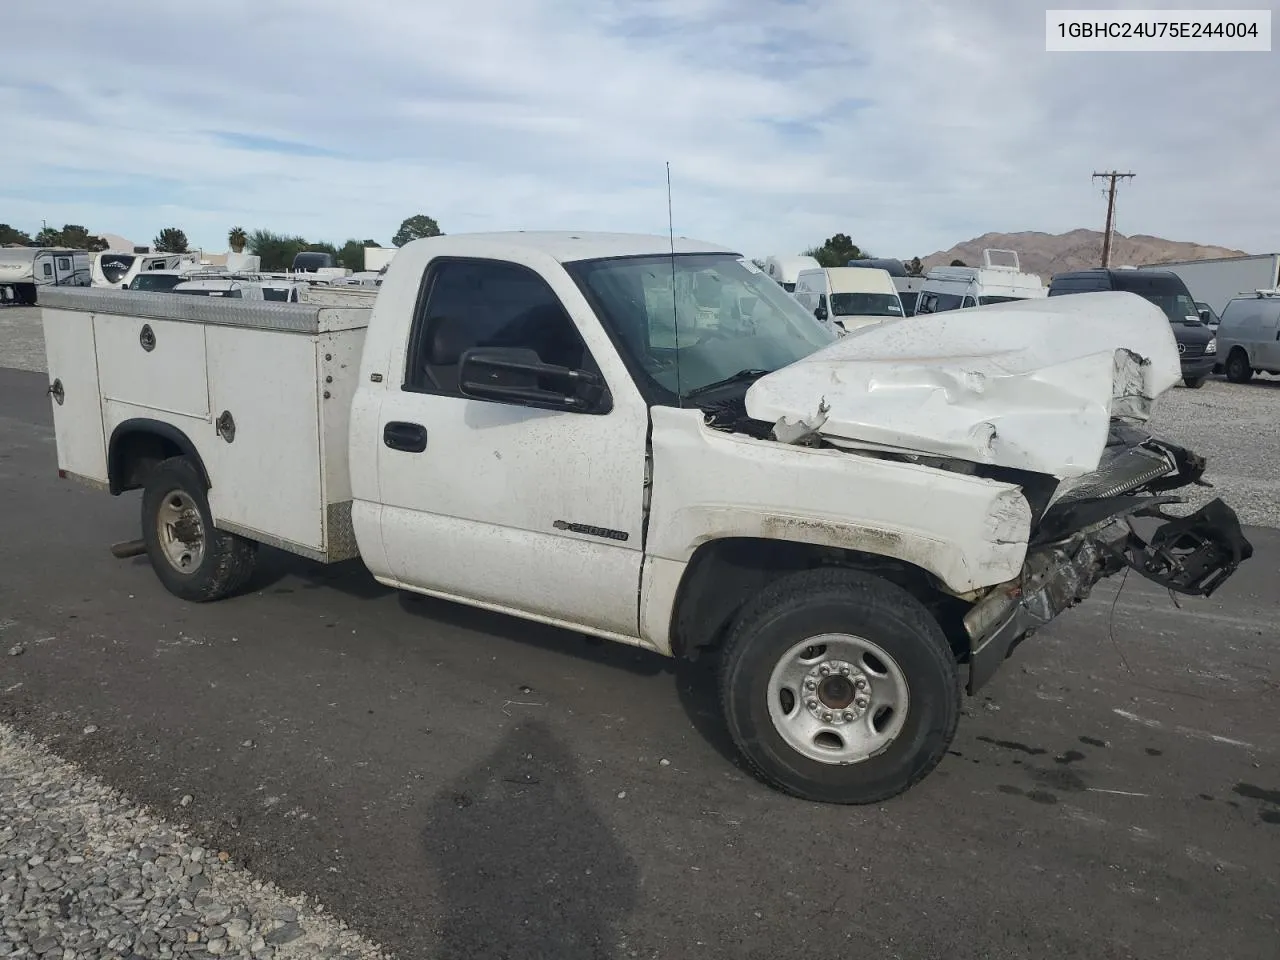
(910, 125)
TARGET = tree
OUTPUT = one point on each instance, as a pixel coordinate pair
(415, 228)
(351, 255)
(71, 235)
(958, 263)
(170, 240)
(236, 239)
(13, 237)
(275, 250)
(915, 268)
(837, 251)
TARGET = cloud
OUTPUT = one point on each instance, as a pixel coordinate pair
(909, 125)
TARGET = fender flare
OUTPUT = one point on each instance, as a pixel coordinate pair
(147, 427)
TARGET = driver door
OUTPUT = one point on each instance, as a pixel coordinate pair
(533, 511)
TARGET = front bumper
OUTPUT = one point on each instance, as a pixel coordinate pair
(1199, 367)
(1090, 534)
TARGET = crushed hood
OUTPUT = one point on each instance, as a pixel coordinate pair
(1031, 385)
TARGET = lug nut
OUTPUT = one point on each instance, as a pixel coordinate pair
(812, 704)
(861, 683)
(848, 715)
(844, 671)
(825, 670)
(827, 716)
(811, 684)
(862, 703)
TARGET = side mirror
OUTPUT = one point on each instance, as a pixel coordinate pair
(1204, 316)
(517, 375)
(820, 312)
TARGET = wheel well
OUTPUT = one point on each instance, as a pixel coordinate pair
(137, 446)
(1240, 350)
(724, 574)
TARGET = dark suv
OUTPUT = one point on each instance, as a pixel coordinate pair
(1197, 347)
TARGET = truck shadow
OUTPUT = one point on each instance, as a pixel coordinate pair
(524, 866)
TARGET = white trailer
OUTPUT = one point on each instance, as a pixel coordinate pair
(1217, 281)
(23, 269)
(378, 258)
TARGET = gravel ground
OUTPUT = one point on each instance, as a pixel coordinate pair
(85, 874)
(1233, 425)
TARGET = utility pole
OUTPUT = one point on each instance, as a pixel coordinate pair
(1111, 176)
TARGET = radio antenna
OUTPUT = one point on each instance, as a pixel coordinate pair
(675, 317)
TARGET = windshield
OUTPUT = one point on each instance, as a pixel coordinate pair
(730, 318)
(1178, 307)
(865, 305)
(115, 266)
(154, 281)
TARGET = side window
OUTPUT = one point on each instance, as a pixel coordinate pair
(486, 303)
(928, 303)
(64, 263)
(48, 269)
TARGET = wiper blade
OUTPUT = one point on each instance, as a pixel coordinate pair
(739, 377)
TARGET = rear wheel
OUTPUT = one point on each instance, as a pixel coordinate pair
(193, 560)
(840, 687)
(1238, 367)
(1195, 383)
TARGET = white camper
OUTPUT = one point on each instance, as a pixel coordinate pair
(116, 269)
(785, 270)
(956, 288)
(1216, 282)
(845, 298)
(22, 269)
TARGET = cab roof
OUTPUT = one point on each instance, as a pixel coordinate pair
(570, 246)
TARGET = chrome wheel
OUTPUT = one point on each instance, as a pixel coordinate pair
(180, 531)
(837, 698)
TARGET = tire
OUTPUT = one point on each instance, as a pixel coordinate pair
(1194, 383)
(851, 610)
(217, 563)
(1238, 368)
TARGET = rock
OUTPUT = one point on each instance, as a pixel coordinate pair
(197, 853)
(217, 946)
(664, 762)
(285, 913)
(186, 800)
(285, 934)
(215, 913)
(17, 650)
(91, 728)
(237, 929)
(45, 945)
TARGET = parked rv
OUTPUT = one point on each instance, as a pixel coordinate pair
(512, 426)
(908, 286)
(1249, 336)
(1218, 281)
(785, 270)
(1197, 348)
(24, 269)
(958, 288)
(846, 298)
(113, 269)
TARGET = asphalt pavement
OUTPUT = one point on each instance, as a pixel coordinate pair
(455, 783)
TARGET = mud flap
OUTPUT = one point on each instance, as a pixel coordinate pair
(1193, 555)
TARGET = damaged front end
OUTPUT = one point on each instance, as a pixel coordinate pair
(1092, 529)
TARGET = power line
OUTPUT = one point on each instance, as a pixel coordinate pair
(1111, 176)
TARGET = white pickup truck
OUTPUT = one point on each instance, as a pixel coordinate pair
(654, 443)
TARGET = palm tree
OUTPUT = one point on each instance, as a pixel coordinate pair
(237, 238)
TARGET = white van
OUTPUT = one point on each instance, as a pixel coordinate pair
(785, 270)
(846, 298)
(955, 288)
(1249, 336)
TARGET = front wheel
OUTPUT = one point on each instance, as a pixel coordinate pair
(193, 559)
(840, 687)
(1238, 367)
(1195, 383)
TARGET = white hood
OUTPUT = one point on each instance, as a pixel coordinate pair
(1031, 385)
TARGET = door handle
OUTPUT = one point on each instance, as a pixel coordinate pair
(409, 437)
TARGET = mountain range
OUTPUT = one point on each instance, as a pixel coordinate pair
(1046, 253)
